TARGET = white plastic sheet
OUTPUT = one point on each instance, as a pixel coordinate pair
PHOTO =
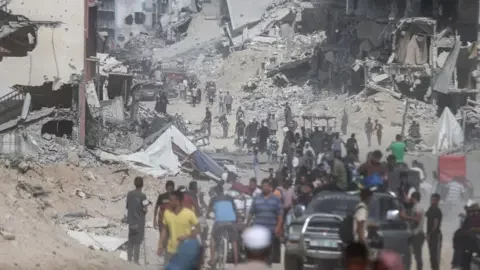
(159, 155)
(98, 242)
(158, 159)
(449, 132)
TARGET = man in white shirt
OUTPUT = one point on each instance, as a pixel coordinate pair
(360, 217)
(195, 94)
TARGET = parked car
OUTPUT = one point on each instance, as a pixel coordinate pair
(313, 240)
(148, 92)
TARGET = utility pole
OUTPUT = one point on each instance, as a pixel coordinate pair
(404, 118)
(86, 77)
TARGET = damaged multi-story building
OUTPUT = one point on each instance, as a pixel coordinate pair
(43, 58)
(425, 49)
(120, 21)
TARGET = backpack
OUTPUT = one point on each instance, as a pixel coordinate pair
(346, 228)
(281, 194)
(372, 180)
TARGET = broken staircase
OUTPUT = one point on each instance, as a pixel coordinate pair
(11, 106)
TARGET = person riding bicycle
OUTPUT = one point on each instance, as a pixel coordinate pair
(226, 215)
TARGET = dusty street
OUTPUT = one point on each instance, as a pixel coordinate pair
(79, 82)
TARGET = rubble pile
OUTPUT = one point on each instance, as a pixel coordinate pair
(143, 45)
(268, 98)
(206, 64)
(58, 149)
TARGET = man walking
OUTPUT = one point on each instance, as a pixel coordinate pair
(136, 210)
(267, 211)
(416, 220)
(398, 149)
(379, 129)
(225, 126)
(208, 120)
(228, 103)
(287, 111)
(352, 144)
(434, 234)
(369, 131)
(273, 125)
(240, 113)
(179, 222)
(163, 202)
(360, 217)
(195, 94)
(221, 103)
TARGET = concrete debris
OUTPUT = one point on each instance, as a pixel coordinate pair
(9, 236)
(109, 64)
(280, 80)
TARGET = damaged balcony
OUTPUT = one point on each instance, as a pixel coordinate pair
(399, 47)
(18, 35)
(411, 63)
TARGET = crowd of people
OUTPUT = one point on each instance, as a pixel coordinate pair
(310, 161)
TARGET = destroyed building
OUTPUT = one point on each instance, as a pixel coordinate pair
(402, 50)
(124, 24)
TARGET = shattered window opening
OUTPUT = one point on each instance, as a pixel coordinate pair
(129, 20)
(139, 18)
(59, 128)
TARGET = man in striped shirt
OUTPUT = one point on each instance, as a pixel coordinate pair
(267, 210)
(455, 194)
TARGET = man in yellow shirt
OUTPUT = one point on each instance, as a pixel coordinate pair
(180, 222)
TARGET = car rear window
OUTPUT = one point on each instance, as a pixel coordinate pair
(336, 205)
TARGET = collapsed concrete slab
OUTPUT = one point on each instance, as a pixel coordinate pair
(241, 13)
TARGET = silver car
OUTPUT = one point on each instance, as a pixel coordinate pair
(313, 240)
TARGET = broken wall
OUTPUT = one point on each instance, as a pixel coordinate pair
(60, 50)
(130, 20)
(44, 97)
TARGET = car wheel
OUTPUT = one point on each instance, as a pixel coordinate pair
(292, 262)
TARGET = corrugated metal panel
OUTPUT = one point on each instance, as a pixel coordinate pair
(15, 144)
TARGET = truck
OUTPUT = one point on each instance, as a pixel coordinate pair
(313, 240)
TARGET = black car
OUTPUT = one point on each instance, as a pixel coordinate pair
(148, 92)
(313, 240)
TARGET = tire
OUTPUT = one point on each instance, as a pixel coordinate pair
(222, 253)
(292, 262)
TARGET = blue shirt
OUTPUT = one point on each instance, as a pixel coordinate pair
(224, 208)
(187, 256)
(266, 210)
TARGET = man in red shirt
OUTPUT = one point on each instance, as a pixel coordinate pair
(163, 203)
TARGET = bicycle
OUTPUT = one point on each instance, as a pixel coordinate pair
(221, 253)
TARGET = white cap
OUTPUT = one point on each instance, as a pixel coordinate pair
(470, 202)
(256, 237)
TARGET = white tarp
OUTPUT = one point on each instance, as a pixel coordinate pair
(449, 132)
(98, 242)
(180, 140)
(159, 155)
(158, 159)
